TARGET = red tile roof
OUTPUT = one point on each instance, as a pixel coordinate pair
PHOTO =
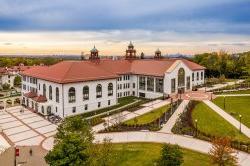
(40, 99)
(30, 94)
(78, 71)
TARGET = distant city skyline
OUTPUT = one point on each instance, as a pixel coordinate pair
(71, 27)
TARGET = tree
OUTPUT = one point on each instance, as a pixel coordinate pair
(72, 143)
(102, 154)
(17, 81)
(221, 152)
(171, 155)
(6, 86)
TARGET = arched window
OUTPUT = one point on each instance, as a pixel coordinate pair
(181, 77)
(50, 92)
(57, 95)
(110, 89)
(99, 91)
(85, 93)
(72, 95)
(44, 90)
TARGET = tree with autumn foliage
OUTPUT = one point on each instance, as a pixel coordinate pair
(221, 152)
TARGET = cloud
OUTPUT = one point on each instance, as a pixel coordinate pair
(206, 16)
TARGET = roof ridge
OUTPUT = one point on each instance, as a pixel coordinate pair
(71, 64)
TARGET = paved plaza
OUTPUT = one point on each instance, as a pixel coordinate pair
(25, 128)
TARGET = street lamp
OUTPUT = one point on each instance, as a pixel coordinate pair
(240, 122)
(108, 119)
(196, 127)
(224, 102)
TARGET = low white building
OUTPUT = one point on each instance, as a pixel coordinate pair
(75, 87)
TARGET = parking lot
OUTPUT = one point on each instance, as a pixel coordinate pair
(25, 128)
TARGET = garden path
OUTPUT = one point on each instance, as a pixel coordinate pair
(244, 129)
(171, 122)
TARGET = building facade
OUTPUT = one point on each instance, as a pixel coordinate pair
(75, 87)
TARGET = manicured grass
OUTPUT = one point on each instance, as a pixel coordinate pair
(236, 92)
(121, 102)
(149, 117)
(211, 123)
(145, 154)
(236, 105)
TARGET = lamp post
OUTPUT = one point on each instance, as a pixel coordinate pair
(196, 127)
(108, 119)
(224, 102)
(240, 122)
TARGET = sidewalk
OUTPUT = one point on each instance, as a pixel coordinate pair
(245, 130)
(125, 115)
(218, 86)
(158, 137)
(171, 122)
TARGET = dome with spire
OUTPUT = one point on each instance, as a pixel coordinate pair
(158, 50)
(94, 50)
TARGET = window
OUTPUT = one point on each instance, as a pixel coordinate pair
(56, 109)
(197, 76)
(99, 104)
(85, 93)
(128, 77)
(110, 89)
(108, 102)
(188, 82)
(50, 92)
(142, 83)
(39, 86)
(201, 75)
(181, 77)
(86, 107)
(57, 95)
(150, 84)
(141, 94)
(73, 109)
(192, 76)
(172, 85)
(44, 90)
(72, 95)
(159, 85)
(133, 93)
(133, 85)
(98, 91)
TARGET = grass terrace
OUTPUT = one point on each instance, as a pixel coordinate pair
(121, 102)
(235, 92)
(211, 123)
(148, 117)
(138, 154)
(235, 106)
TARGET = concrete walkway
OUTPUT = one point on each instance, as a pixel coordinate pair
(158, 137)
(125, 115)
(245, 130)
(171, 122)
(218, 86)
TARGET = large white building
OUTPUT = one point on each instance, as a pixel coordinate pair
(75, 87)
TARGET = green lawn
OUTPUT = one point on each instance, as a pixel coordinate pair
(145, 154)
(236, 105)
(150, 116)
(236, 92)
(121, 102)
(212, 123)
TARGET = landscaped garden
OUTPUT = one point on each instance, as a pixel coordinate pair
(149, 117)
(202, 122)
(235, 106)
(211, 123)
(146, 154)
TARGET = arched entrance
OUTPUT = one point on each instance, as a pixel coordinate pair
(181, 80)
(48, 110)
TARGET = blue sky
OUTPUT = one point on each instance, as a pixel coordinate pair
(143, 21)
